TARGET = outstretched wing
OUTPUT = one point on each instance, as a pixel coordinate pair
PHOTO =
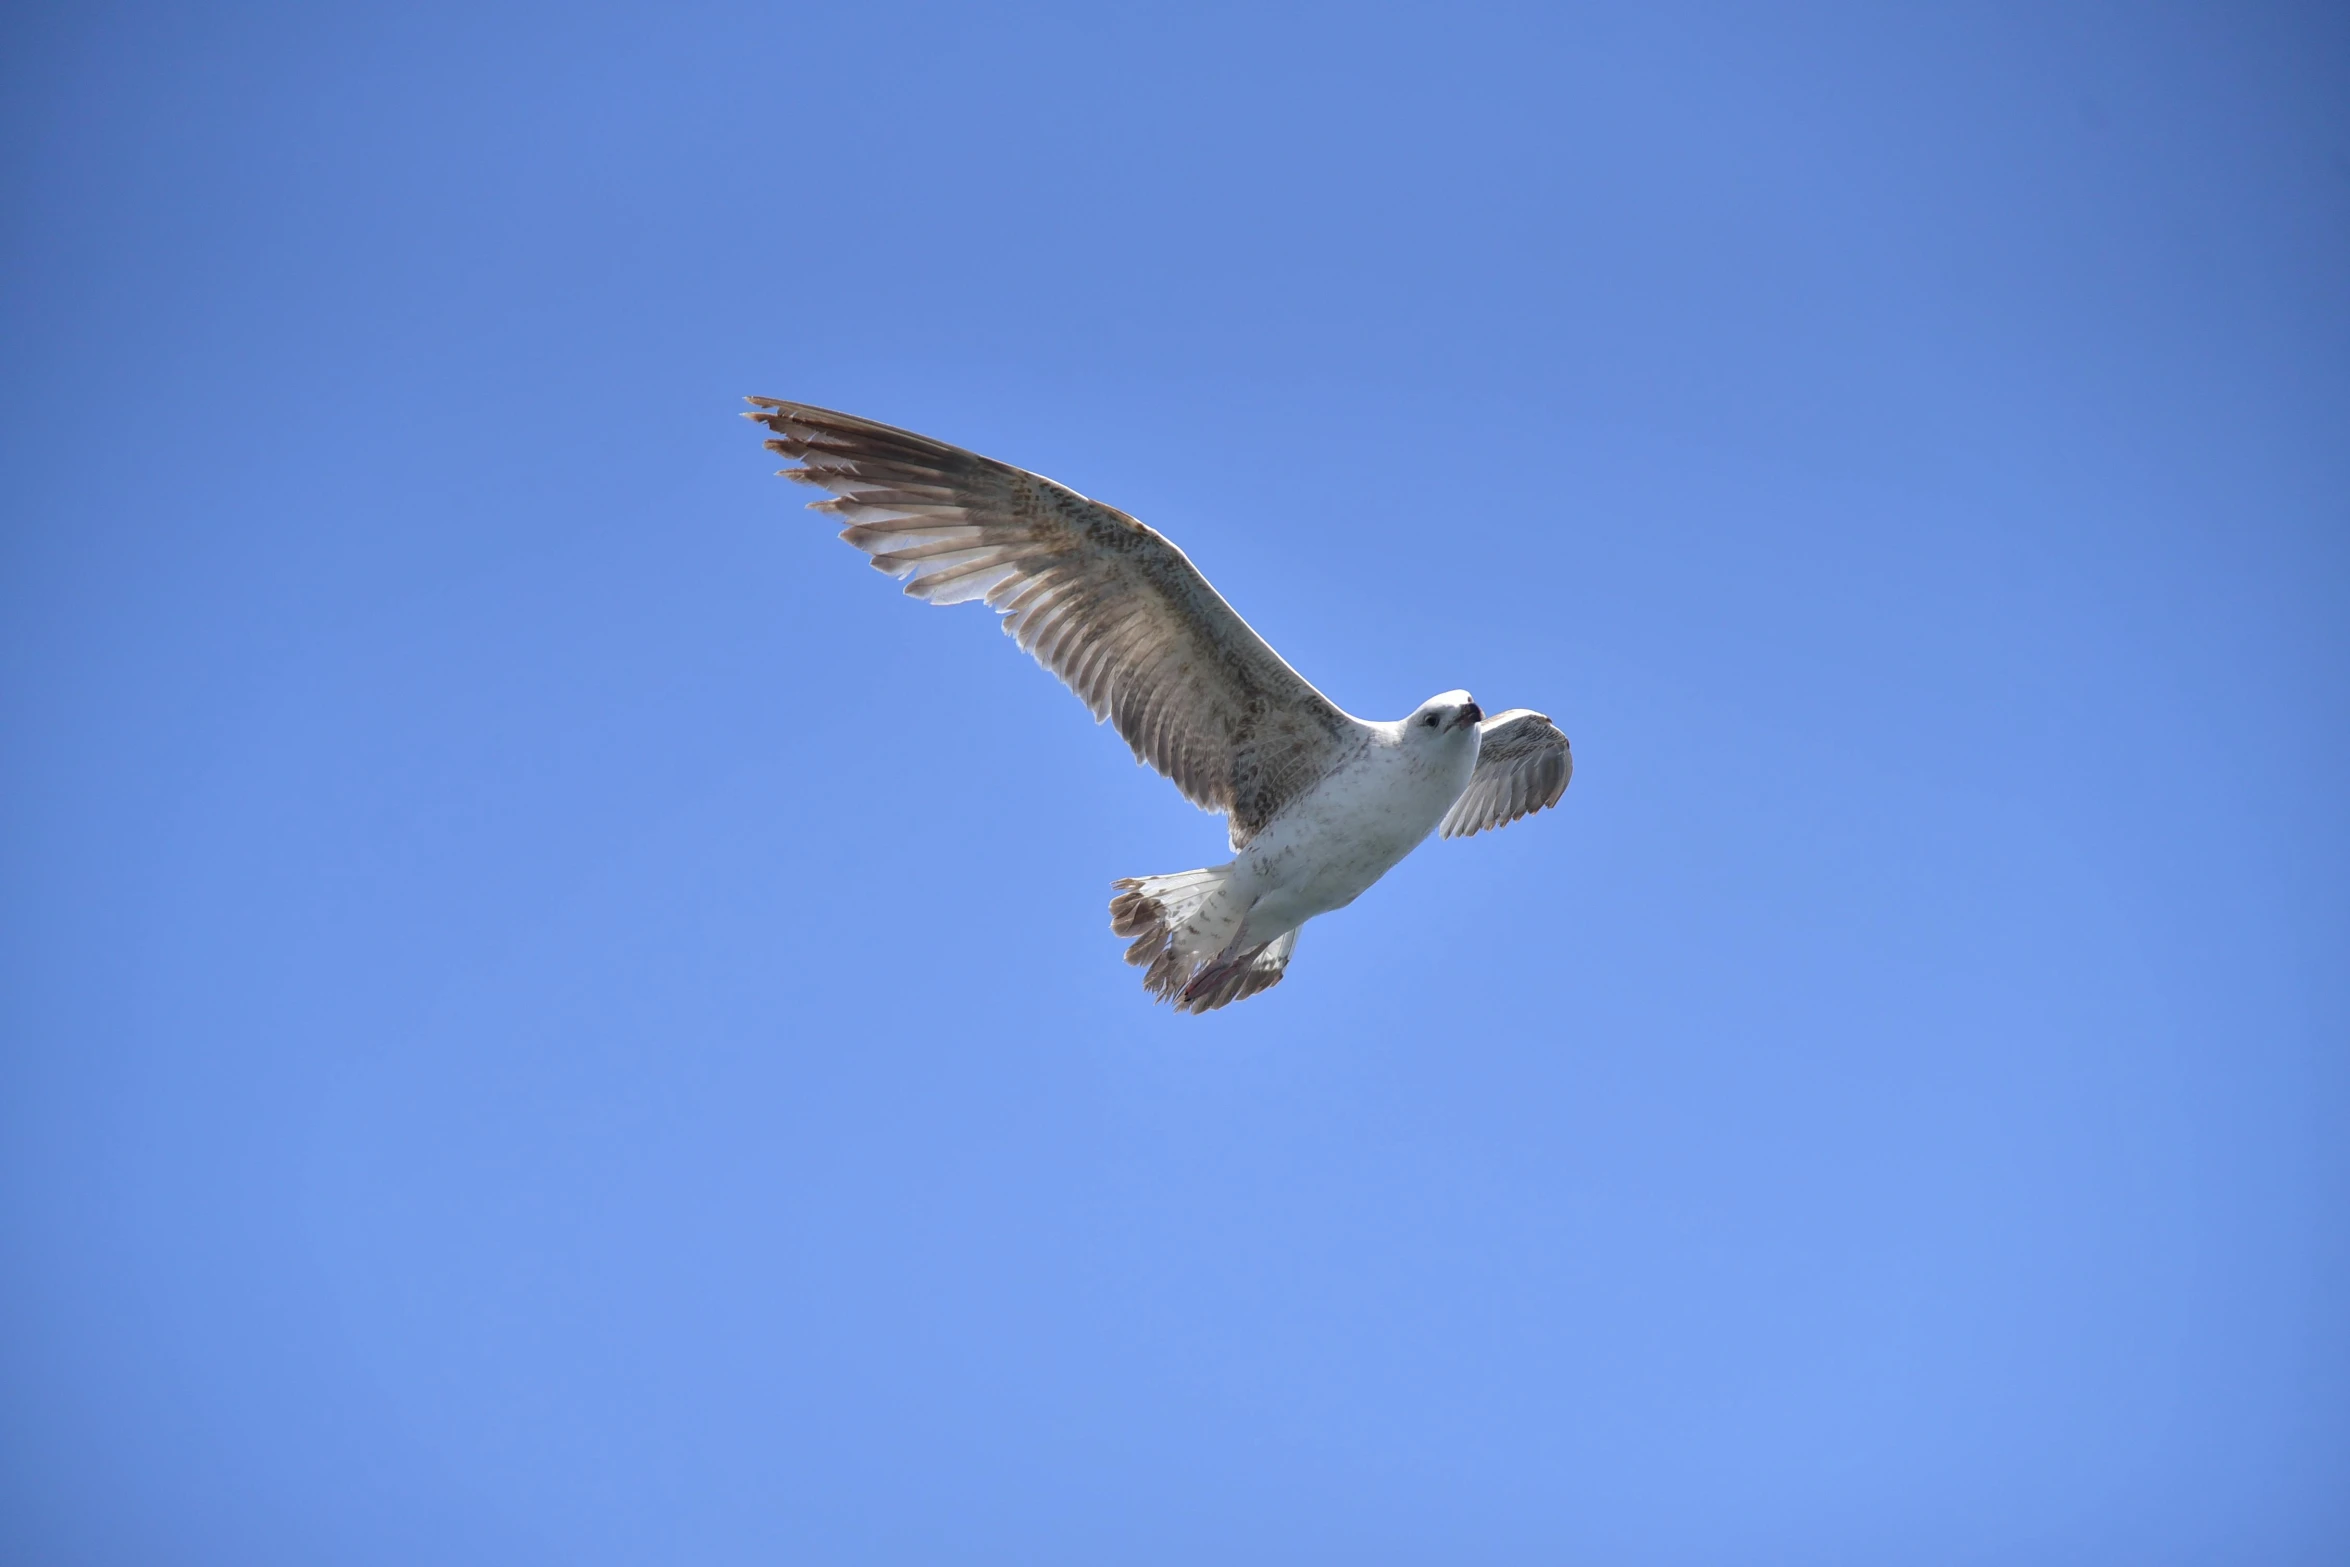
(1523, 764)
(1102, 601)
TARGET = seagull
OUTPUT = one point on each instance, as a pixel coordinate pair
(1320, 803)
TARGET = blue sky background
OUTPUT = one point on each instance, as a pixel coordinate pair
(551, 1017)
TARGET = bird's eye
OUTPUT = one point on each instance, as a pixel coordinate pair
(1429, 721)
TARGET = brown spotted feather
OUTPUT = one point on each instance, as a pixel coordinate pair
(1523, 765)
(1108, 605)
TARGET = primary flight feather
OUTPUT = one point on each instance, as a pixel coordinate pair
(1320, 803)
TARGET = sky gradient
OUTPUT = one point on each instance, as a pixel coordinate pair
(551, 1017)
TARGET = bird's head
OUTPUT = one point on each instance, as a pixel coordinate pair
(1446, 714)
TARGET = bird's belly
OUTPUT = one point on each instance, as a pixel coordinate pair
(1327, 848)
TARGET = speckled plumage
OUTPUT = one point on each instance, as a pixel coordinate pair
(1319, 803)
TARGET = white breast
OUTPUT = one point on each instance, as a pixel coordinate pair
(1337, 839)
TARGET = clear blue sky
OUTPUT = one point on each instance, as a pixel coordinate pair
(551, 1018)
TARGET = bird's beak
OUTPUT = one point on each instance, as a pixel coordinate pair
(1472, 714)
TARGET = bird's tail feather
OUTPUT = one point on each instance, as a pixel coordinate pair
(1185, 929)
(1237, 975)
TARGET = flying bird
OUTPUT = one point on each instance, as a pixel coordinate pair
(1320, 803)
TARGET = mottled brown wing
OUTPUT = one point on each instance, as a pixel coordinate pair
(1102, 601)
(1523, 764)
